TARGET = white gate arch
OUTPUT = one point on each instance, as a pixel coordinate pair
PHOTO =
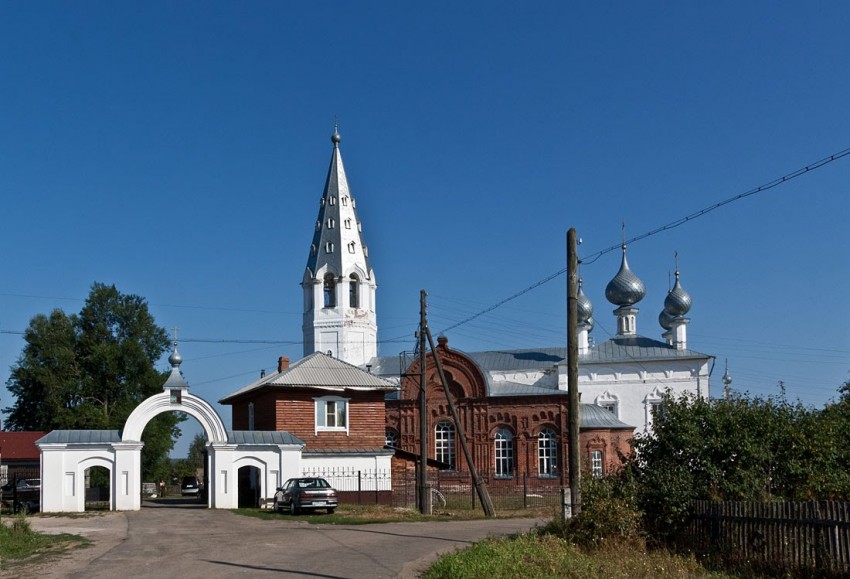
(165, 402)
(65, 454)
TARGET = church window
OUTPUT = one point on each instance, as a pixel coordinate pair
(609, 402)
(329, 247)
(359, 227)
(392, 438)
(444, 443)
(313, 249)
(352, 247)
(547, 453)
(348, 223)
(318, 225)
(331, 223)
(330, 291)
(353, 291)
(332, 200)
(365, 251)
(504, 450)
(345, 200)
(596, 463)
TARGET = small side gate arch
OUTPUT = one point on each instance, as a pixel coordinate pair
(66, 454)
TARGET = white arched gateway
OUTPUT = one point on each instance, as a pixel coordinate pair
(67, 454)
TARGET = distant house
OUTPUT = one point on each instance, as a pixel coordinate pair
(335, 408)
(19, 456)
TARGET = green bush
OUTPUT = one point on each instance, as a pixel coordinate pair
(608, 516)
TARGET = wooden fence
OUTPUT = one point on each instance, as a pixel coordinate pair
(795, 537)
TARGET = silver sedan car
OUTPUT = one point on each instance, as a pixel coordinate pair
(298, 494)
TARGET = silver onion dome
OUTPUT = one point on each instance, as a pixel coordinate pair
(678, 301)
(175, 359)
(665, 319)
(626, 288)
(585, 308)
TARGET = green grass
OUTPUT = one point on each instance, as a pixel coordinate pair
(19, 543)
(369, 514)
(537, 556)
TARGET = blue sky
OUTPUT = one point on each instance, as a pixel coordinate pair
(178, 150)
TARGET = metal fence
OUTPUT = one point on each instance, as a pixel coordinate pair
(370, 486)
(18, 494)
(454, 490)
(449, 489)
(803, 537)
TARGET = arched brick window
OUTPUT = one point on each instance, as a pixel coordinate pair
(444, 443)
(547, 453)
(504, 453)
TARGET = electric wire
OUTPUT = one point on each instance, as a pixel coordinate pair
(666, 227)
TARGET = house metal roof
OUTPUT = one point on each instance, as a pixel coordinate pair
(80, 437)
(593, 416)
(617, 349)
(262, 437)
(19, 445)
(318, 370)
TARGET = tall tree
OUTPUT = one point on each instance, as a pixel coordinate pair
(89, 371)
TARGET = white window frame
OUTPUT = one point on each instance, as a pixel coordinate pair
(596, 458)
(609, 402)
(391, 438)
(547, 453)
(503, 446)
(323, 404)
(444, 443)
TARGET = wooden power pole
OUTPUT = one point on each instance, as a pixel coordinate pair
(422, 482)
(572, 372)
(480, 488)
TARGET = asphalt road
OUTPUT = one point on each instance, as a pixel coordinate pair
(187, 543)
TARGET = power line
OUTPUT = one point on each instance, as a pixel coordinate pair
(672, 225)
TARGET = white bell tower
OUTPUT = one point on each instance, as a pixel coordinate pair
(339, 284)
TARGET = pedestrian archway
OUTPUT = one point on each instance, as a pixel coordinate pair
(66, 455)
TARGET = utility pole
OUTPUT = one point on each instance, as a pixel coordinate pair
(422, 482)
(480, 489)
(572, 372)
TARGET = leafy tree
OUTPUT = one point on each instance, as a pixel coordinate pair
(90, 370)
(739, 449)
(197, 452)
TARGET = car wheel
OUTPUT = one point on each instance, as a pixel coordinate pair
(293, 508)
(331, 510)
(276, 507)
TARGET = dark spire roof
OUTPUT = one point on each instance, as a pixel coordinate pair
(337, 241)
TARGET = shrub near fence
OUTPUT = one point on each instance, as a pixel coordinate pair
(782, 536)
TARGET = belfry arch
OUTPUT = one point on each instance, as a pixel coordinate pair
(65, 454)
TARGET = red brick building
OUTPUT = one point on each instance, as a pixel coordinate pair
(512, 433)
(337, 409)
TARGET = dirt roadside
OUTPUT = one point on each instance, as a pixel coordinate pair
(104, 530)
